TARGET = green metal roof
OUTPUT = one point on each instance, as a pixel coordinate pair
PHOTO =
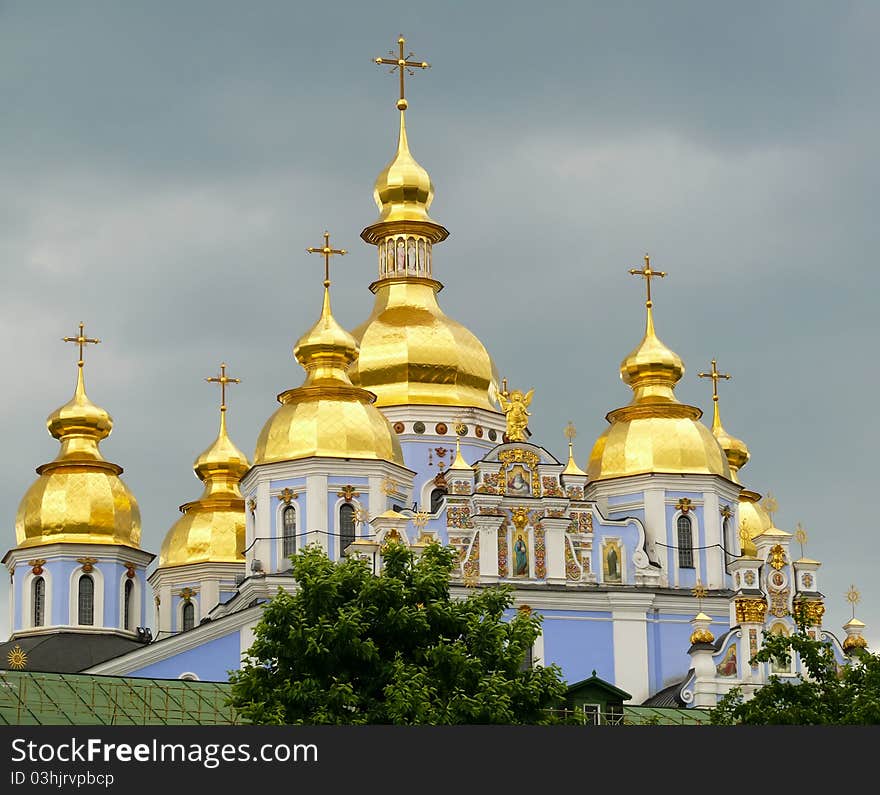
(28, 698)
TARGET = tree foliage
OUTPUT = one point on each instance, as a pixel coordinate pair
(352, 647)
(829, 694)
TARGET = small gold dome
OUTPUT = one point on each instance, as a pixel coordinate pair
(79, 497)
(655, 433)
(411, 352)
(212, 528)
(403, 191)
(327, 415)
(754, 518)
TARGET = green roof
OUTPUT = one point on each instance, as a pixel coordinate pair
(28, 698)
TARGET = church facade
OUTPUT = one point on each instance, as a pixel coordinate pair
(653, 566)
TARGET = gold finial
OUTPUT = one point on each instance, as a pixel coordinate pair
(514, 405)
(744, 537)
(223, 380)
(82, 340)
(853, 597)
(403, 64)
(800, 536)
(771, 505)
(327, 252)
(699, 592)
(647, 274)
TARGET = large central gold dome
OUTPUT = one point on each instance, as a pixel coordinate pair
(327, 415)
(79, 497)
(410, 351)
(655, 433)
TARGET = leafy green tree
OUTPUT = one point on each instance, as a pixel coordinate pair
(357, 648)
(828, 694)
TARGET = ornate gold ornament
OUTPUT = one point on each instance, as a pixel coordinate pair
(771, 505)
(17, 658)
(288, 495)
(525, 609)
(520, 517)
(252, 505)
(750, 611)
(403, 65)
(361, 515)
(702, 635)
(88, 564)
(811, 610)
(186, 594)
(389, 486)
(348, 492)
(853, 597)
(699, 592)
(130, 570)
(36, 566)
(515, 407)
(725, 511)
(684, 505)
(800, 535)
(851, 642)
(777, 557)
(223, 380)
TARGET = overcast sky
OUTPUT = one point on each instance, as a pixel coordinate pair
(164, 165)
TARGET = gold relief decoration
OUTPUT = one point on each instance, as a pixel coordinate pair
(525, 609)
(88, 564)
(488, 484)
(750, 611)
(581, 522)
(749, 578)
(16, 658)
(811, 610)
(520, 517)
(684, 505)
(851, 642)
(807, 581)
(585, 560)
(440, 480)
(441, 428)
(556, 513)
(515, 407)
(459, 516)
(779, 602)
(389, 486)
(491, 510)
(472, 564)
(551, 487)
(725, 511)
(420, 519)
(288, 495)
(348, 492)
(441, 451)
(502, 554)
(574, 492)
(157, 599)
(777, 557)
(130, 570)
(36, 566)
(399, 427)
(186, 594)
(702, 635)
(252, 505)
(540, 551)
(461, 487)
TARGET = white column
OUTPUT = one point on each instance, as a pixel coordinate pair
(630, 633)
(714, 576)
(209, 595)
(487, 526)
(262, 547)
(316, 511)
(554, 548)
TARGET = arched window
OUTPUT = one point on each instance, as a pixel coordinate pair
(86, 600)
(189, 615)
(288, 529)
(437, 497)
(39, 600)
(128, 589)
(528, 659)
(685, 543)
(346, 526)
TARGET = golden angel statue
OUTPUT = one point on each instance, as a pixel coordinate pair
(515, 406)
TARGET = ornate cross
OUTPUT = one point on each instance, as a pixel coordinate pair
(82, 340)
(853, 597)
(223, 380)
(403, 65)
(647, 274)
(715, 375)
(700, 592)
(771, 505)
(800, 535)
(327, 252)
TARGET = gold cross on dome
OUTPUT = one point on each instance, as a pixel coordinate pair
(223, 380)
(82, 340)
(403, 64)
(853, 597)
(715, 376)
(647, 274)
(327, 252)
(771, 505)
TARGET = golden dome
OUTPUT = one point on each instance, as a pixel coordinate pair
(410, 352)
(655, 433)
(212, 527)
(79, 497)
(327, 415)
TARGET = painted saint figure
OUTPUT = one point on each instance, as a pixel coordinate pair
(520, 557)
(612, 565)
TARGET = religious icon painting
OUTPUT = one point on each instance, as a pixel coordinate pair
(518, 480)
(520, 558)
(727, 666)
(611, 562)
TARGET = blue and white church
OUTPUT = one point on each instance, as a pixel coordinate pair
(653, 567)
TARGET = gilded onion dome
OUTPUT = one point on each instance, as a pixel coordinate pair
(79, 496)
(327, 415)
(212, 527)
(655, 433)
(410, 351)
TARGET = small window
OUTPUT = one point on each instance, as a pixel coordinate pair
(685, 543)
(346, 526)
(592, 714)
(528, 659)
(288, 523)
(39, 594)
(437, 497)
(86, 600)
(189, 615)
(126, 604)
